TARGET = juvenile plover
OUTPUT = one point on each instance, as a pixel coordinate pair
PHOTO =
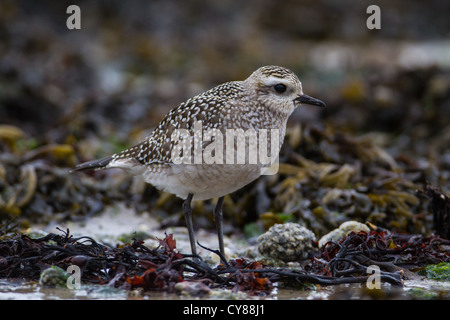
(188, 154)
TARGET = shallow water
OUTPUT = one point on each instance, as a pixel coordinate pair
(413, 289)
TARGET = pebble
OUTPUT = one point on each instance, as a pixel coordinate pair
(343, 230)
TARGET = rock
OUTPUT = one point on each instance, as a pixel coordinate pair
(191, 289)
(343, 230)
(53, 277)
(439, 272)
(223, 294)
(287, 242)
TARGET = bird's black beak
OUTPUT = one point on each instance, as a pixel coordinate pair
(309, 100)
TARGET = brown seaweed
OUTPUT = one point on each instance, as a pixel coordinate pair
(137, 266)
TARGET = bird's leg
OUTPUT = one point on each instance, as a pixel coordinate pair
(188, 217)
(218, 218)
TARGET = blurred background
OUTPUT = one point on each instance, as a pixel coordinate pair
(68, 96)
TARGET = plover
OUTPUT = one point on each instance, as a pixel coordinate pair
(187, 153)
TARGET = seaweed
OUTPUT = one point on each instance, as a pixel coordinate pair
(136, 266)
(440, 207)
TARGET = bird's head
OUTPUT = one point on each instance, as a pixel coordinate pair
(279, 89)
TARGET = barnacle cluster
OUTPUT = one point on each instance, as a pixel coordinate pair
(287, 242)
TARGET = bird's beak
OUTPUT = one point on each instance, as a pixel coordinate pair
(309, 100)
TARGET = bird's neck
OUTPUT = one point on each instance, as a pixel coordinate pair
(278, 114)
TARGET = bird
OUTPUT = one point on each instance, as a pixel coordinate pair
(261, 103)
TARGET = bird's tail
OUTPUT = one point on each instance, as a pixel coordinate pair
(93, 164)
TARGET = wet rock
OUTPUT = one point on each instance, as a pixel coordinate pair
(191, 289)
(287, 242)
(221, 294)
(343, 230)
(440, 272)
(53, 277)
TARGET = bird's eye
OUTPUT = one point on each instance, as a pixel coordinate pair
(280, 88)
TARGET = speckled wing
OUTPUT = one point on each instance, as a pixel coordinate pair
(206, 107)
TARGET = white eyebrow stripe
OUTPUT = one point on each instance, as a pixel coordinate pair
(270, 81)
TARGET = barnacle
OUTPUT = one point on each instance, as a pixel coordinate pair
(53, 277)
(287, 242)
